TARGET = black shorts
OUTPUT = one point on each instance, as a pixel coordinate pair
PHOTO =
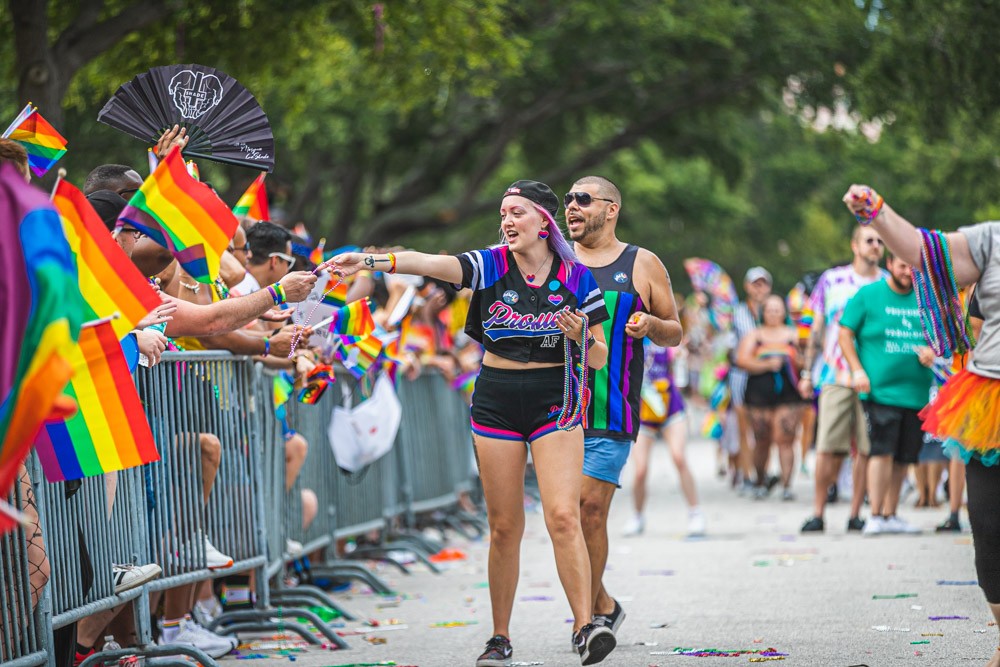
(521, 405)
(894, 432)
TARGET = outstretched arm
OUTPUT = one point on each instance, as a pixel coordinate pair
(662, 324)
(442, 267)
(903, 239)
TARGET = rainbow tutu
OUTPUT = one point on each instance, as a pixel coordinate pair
(966, 413)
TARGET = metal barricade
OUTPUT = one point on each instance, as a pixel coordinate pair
(21, 642)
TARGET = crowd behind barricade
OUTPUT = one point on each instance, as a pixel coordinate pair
(248, 310)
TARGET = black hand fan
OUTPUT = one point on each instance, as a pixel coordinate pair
(223, 120)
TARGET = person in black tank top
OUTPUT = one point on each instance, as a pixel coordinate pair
(531, 295)
(640, 303)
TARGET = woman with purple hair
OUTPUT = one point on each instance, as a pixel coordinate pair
(536, 310)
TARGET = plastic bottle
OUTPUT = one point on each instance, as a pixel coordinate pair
(111, 645)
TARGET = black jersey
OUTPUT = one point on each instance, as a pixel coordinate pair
(516, 321)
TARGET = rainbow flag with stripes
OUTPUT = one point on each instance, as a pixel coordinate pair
(284, 386)
(357, 353)
(354, 319)
(253, 203)
(44, 144)
(109, 281)
(184, 216)
(337, 297)
(316, 256)
(40, 314)
(318, 379)
(109, 431)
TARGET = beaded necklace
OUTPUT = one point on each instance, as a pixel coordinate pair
(575, 389)
(299, 328)
(945, 323)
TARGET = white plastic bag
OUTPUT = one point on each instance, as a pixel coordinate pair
(363, 434)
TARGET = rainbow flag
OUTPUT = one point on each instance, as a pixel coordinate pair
(354, 319)
(357, 353)
(318, 379)
(284, 386)
(316, 256)
(184, 216)
(253, 203)
(337, 297)
(44, 144)
(109, 281)
(40, 314)
(109, 431)
(465, 382)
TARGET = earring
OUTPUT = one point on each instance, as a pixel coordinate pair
(543, 233)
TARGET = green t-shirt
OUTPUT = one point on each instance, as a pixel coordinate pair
(886, 328)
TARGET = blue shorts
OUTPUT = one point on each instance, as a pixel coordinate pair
(604, 458)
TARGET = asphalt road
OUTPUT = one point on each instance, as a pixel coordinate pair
(753, 583)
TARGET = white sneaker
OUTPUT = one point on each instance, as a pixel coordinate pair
(635, 526)
(129, 576)
(215, 559)
(696, 523)
(875, 525)
(293, 548)
(194, 635)
(206, 611)
(898, 525)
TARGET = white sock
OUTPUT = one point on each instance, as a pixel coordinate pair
(171, 628)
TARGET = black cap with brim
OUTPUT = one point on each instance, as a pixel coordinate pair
(108, 205)
(536, 192)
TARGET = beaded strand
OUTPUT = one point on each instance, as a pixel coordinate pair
(299, 328)
(945, 324)
(574, 408)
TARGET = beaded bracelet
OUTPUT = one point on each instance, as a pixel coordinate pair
(267, 346)
(872, 207)
(392, 262)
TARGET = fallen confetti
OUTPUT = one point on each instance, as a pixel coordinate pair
(915, 607)
(897, 596)
(947, 618)
(537, 598)
(369, 630)
(656, 573)
(658, 626)
(946, 582)
(922, 641)
(375, 641)
(646, 644)
(525, 664)
(886, 628)
(767, 658)
(722, 653)
(932, 634)
(453, 624)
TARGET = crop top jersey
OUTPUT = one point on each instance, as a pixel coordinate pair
(516, 321)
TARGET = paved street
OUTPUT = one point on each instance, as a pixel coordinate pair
(754, 583)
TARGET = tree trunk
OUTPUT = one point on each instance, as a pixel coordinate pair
(39, 80)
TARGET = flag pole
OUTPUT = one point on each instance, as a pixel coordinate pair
(60, 175)
(103, 320)
(13, 514)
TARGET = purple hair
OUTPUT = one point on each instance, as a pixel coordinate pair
(557, 242)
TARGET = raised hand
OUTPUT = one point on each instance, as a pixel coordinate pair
(297, 285)
(175, 136)
(571, 324)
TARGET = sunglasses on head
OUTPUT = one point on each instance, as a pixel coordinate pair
(582, 198)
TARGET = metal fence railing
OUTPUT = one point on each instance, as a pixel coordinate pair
(221, 478)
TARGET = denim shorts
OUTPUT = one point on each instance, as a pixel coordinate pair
(604, 458)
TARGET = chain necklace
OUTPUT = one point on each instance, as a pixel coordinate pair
(530, 277)
(575, 391)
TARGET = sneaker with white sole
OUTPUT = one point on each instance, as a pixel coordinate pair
(498, 653)
(897, 525)
(192, 634)
(612, 620)
(875, 525)
(594, 643)
(129, 576)
(696, 523)
(215, 559)
(293, 548)
(635, 526)
(194, 626)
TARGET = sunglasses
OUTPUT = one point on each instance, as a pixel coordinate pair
(582, 198)
(244, 248)
(874, 241)
(281, 255)
(136, 234)
(127, 193)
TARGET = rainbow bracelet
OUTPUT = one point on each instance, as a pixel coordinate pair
(872, 207)
(267, 346)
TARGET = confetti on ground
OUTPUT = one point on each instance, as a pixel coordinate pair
(537, 598)
(722, 653)
(646, 644)
(897, 596)
(932, 634)
(525, 664)
(658, 626)
(946, 582)
(922, 641)
(656, 573)
(947, 618)
(915, 607)
(369, 630)
(482, 584)
(453, 624)
(767, 658)
(375, 641)
(886, 628)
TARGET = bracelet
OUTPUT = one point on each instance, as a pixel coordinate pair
(277, 293)
(591, 339)
(267, 346)
(805, 375)
(392, 262)
(872, 207)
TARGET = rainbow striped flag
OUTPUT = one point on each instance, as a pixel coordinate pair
(337, 297)
(284, 386)
(357, 353)
(318, 379)
(40, 314)
(316, 256)
(44, 144)
(109, 281)
(109, 431)
(184, 216)
(354, 319)
(253, 203)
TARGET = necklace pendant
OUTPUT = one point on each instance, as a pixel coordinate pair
(530, 277)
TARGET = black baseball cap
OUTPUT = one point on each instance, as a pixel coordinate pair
(109, 205)
(536, 192)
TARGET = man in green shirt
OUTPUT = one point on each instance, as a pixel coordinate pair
(882, 340)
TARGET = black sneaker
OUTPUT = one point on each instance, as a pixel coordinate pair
(813, 525)
(855, 524)
(951, 525)
(594, 643)
(613, 620)
(497, 654)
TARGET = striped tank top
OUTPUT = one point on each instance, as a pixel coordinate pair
(615, 389)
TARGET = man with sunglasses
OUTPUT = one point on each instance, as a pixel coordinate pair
(640, 300)
(269, 256)
(841, 418)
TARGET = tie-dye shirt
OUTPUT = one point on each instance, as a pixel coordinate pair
(835, 288)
